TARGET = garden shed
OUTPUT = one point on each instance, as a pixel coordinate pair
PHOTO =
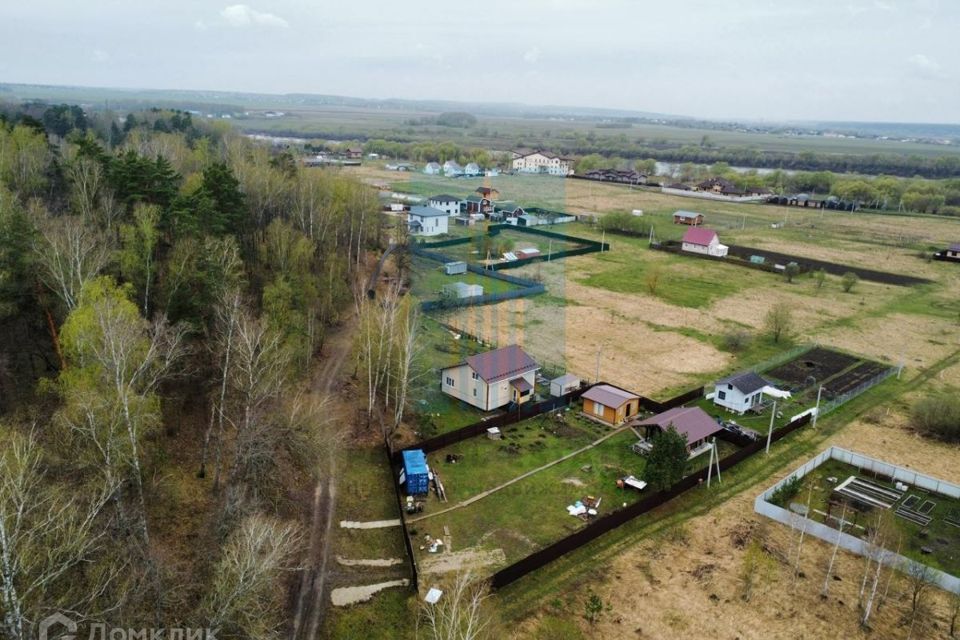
(564, 384)
(415, 473)
(454, 268)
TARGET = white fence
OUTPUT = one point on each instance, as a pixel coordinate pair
(763, 506)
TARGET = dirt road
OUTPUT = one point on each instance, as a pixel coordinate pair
(310, 600)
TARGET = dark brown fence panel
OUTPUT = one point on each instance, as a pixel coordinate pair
(613, 520)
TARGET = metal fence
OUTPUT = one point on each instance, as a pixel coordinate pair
(827, 407)
(607, 523)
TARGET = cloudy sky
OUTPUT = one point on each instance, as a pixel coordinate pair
(889, 60)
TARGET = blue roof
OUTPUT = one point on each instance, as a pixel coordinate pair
(414, 462)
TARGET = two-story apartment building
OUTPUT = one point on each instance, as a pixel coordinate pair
(542, 162)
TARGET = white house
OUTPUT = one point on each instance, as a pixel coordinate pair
(448, 204)
(451, 169)
(705, 241)
(427, 221)
(472, 169)
(432, 169)
(493, 379)
(739, 392)
(542, 162)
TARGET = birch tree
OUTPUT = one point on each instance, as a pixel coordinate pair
(70, 254)
(833, 556)
(460, 614)
(246, 597)
(49, 542)
(406, 349)
(124, 357)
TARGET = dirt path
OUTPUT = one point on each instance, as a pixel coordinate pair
(344, 596)
(481, 496)
(310, 600)
(373, 524)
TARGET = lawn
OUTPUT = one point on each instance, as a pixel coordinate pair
(940, 537)
(524, 446)
(428, 279)
(507, 240)
(434, 411)
(365, 492)
(531, 513)
(679, 281)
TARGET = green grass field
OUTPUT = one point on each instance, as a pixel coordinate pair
(501, 520)
(429, 279)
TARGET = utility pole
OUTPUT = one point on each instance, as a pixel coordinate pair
(773, 416)
(714, 460)
(816, 412)
(599, 351)
(603, 240)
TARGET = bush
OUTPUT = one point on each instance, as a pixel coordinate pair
(786, 492)
(938, 417)
(849, 281)
(736, 341)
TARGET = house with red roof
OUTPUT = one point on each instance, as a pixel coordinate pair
(705, 241)
(493, 379)
(609, 404)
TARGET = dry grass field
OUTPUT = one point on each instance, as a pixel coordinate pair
(656, 340)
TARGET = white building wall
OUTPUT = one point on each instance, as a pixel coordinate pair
(431, 225)
(466, 387)
(734, 399)
(449, 208)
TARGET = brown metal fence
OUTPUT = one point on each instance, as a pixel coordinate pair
(613, 520)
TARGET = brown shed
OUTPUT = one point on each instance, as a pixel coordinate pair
(610, 404)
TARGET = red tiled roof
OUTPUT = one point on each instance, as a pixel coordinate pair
(700, 236)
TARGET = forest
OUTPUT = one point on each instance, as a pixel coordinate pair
(164, 287)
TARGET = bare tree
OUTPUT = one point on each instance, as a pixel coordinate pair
(406, 351)
(128, 357)
(460, 614)
(246, 598)
(48, 542)
(779, 321)
(259, 372)
(877, 539)
(954, 613)
(70, 254)
(228, 313)
(86, 179)
(833, 556)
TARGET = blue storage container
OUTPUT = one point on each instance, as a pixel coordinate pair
(416, 474)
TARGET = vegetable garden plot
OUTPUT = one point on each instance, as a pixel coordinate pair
(819, 363)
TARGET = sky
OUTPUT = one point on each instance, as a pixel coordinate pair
(773, 60)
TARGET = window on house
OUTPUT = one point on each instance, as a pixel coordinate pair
(449, 382)
(598, 409)
(474, 392)
(474, 375)
(722, 395)
(730, 386)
